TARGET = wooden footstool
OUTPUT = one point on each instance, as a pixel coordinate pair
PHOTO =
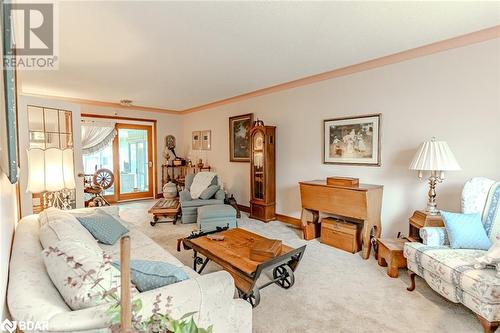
(390, 254)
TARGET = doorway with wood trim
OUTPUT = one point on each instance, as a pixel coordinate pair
(130, 156)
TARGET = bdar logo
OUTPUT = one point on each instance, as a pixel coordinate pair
(9, 326)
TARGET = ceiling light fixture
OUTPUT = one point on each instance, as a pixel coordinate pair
(126, 102)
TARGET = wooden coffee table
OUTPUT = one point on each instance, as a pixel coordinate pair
(165, 208)
(233, 254)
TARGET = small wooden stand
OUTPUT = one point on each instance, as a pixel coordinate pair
(390, 254)
(421, 219)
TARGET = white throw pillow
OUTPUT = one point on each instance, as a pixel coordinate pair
(74, 267)
(51, 213)
(111, 210)
(58, 225)
(490, 258)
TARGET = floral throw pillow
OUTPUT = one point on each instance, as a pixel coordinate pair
(83, 275)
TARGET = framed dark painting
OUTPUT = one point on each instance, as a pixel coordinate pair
(352, 140)
(239, 137)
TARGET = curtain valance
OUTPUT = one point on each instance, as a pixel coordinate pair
(96, 136)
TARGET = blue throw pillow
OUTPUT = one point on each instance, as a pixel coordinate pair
(149, 275)
(466, 231)
(209, 192)
(104, 227)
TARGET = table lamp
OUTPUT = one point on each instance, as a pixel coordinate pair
(435, 157)
(51, 172)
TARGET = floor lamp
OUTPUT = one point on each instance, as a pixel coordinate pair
(51, 172)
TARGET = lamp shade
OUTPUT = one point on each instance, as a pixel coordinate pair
(434, 156)
(50, 170)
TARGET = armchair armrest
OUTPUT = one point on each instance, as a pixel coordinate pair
(184, 195)
(434, 236)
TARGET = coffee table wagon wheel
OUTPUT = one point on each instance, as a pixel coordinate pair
(104, 178)
(283, 275)
(253, 298)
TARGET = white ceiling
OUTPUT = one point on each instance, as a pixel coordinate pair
(178, 55)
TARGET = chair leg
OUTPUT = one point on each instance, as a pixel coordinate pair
(488, 327)
(412, 275)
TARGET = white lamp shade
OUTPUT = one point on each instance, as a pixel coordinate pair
(54, 180)
(434, 156)
(50, 170)
(36, 171)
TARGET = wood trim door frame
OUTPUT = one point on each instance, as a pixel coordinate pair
(151, 163)
(114, 198)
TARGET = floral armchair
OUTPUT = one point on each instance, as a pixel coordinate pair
(450, 272)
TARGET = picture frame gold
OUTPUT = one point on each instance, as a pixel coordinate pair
(196, 140)
(352, 140)
(206, 140)
(239, 137)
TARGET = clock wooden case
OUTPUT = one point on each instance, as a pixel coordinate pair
(263, 173)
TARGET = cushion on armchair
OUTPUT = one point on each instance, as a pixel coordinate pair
(466, 231)
(189, 181)
(209, 192)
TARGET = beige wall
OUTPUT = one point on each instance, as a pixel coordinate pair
(166, 124)
(8, 220)
(453, 95)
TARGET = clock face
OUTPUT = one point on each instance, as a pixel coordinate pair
(259, 141)
(170, 141)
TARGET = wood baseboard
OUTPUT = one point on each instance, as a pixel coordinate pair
(280, 217)
(289, 220)
(244, 208)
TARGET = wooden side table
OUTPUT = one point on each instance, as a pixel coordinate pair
(421, 219)
(390, 254)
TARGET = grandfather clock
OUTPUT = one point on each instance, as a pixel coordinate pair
(263, 172)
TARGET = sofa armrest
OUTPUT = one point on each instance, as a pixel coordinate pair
(211, 296)
(434, 236)
(184, 195)
(220, 195)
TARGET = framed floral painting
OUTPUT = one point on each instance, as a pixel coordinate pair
(352, 140)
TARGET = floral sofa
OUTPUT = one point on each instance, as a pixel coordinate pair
(450, 272)
(33, 297)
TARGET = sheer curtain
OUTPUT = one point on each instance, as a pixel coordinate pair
(96, 136)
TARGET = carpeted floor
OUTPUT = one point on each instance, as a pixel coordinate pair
(334, 291)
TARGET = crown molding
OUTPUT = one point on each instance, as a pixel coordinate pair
(447, 44)
(422, 51)
(105, 104)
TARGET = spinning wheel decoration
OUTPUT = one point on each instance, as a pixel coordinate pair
(95, 184)
(103, 178)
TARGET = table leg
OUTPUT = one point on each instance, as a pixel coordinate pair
(365, 240)
(199, 261)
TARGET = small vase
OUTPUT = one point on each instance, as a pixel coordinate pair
(169, 190)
